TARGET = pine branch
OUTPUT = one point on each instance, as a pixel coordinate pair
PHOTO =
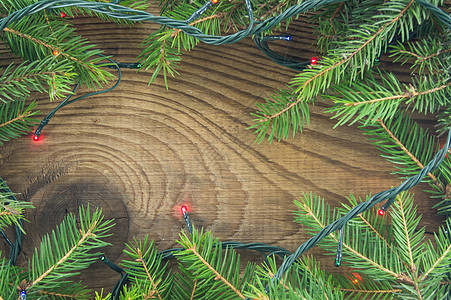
(67, 251)
(33, 39)
(15, 119)
(147, 269)
(431, 53)
(304, 280)
(10, 279)
(349, 60)
(437, 262)
(444, 120)
(162, 49)
(159, 54)
(315, 214)
(370, 100)
(297, 118)
(11, 210)
(48, 75)
(404, 143)
(216, 273)
(409, 239)
(357, 285)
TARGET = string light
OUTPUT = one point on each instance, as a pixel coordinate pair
(23, 295)
(184, 211)
(55, 52)
(268, 38)
(339, 255)
(63, 14)
(356, 278)
(201, 10)
(110, 264)
(314, 60)
(386, 205)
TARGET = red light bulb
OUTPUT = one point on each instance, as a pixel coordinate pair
(184, 209)
(63, 14)
(314, 60)
(35, 138)
(381, 212)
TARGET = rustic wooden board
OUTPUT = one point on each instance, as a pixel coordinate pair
(142, 151)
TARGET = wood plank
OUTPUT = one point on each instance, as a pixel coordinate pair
(141, 151)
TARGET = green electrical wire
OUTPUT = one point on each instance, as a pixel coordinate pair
(67, 101)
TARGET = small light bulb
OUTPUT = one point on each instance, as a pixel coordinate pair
(35, 138)
(355, 281)
(55, 52)
(381, 212)
(314, 60)
(63, 14)
(288, 38)
(184, 209)
(214, 1)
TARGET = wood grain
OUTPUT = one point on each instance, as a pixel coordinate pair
(142, 151)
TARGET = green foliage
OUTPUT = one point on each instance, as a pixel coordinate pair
(10, 279)
(147, 269)
(372, 99)
(304, 280)
(163, 48)
(15, 119)
(353, 37)
(66, 251)
(392, 262)
(47, 75)
(35, 39)
(403, 143)
(62, 254)
(429, 54)
(159, 54)
(215, 272)
(444, 120)
(11, 210)
(295, 118)
(134, 4)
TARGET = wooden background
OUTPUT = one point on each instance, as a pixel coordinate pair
(141, 151)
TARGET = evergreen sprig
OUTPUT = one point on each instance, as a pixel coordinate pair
(397, 262)
(16, 119)
(372, 99)
(428, 54)
(295, 118)
(37, 38)
(215, 272)
(148, 270)
(48, 75)
(405, 144)
(65, 252)
(350, 58)
(10, 211)
(162, 49)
